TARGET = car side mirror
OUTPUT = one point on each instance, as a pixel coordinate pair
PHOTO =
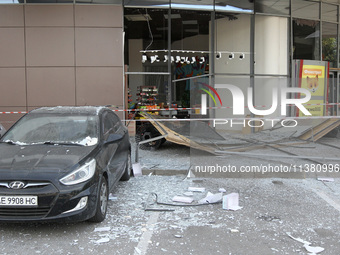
(114, 138)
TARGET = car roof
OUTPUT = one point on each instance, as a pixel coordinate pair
(76, 110)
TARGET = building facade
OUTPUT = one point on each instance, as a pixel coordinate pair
(113, 52)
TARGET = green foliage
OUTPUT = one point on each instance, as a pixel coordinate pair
(329, 47)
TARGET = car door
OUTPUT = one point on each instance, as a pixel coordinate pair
(117, 151)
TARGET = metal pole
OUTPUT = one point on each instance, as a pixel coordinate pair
(169, 59)
(212, 56)
(252, 59)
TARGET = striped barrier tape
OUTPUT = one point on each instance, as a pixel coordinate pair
(185, 108)
(13, 112)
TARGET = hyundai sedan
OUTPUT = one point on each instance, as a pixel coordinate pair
(61, 163)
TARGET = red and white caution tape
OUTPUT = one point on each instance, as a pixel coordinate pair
(13, 112)
(186, 108)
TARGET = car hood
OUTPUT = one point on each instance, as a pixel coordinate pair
(37, 158)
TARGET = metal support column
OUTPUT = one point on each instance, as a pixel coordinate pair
(252, 59)
(169, 59)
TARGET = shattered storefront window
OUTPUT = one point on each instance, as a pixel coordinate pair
(277, 128)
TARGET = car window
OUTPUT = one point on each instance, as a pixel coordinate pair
(112, 124)
(34, 129)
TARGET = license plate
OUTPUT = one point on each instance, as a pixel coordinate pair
(18, 200)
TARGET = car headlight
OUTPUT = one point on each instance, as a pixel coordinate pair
(81, 174)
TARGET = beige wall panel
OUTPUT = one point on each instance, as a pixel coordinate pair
(49, 15)
(11, 15)
(99, 47)
(50, 46)
(13, 87)
(12, 48)
(99, 86)
(7, 120)
(50, 86)
(98, 16)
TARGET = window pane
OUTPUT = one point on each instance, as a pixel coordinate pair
(234, 6)
(148, 89)
(306, 34)
(146, 38)
(12, 1)
(305, 9)
(272, 6)
(329, 43)
(49, 1)
(332, 1)
(330, 12)
(190, 50)
(99, 2)
(205, 5)
(148, 3)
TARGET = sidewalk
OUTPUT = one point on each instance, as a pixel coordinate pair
(271, 209)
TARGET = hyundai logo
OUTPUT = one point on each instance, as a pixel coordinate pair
(16, 185)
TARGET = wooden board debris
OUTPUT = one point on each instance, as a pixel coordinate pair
(313, 133)
(317, 132)
(174, 137)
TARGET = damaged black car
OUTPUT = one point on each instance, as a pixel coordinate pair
(61, 163)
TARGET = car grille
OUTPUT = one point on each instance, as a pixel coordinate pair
(24, 212)
(27, 185)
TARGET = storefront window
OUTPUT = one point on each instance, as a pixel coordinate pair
(329, 43)
(306, 39)
(234, 6)
(305, 9)
(272, 7)
(329, 12)
(11, 2)
(99, 1)
(146, 37)
(149, 3)
(332, 1)
(189, 50)
(207, 5)
(146, 54)
(49, 1)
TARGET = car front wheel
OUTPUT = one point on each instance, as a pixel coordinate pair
(102, 201)
(128, 169)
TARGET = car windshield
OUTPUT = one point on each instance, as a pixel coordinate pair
(54, 129)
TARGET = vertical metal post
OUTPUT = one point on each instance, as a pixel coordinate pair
(291, 62)
(321, 32)
(336, 75)
(213, 41)
(252, 59)
(290, 45)
(337, 38)
(169, 59)
(337, 93)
